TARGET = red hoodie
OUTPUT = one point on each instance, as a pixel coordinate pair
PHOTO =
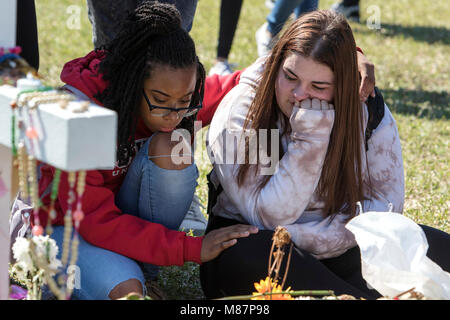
(104, 224)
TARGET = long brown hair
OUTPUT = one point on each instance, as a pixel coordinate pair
(327, 38)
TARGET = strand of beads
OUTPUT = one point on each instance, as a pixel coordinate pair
(68, 218)
(24, 96)
(58, 288)
(31, 133)
(13, 129)
(53, 286)
(34, 195)
(53, 196)
(15, 162)
(78, 215)
(49, 97)
(22, 170)
(81, 184)
(21, 162)
(19, 153)
(62, 278)
(73, 261)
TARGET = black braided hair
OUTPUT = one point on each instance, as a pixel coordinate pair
(150, 35)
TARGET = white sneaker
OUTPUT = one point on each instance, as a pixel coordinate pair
(351, 13)
(194, 220)
(222, 68)
(270, 4)
(264, 40)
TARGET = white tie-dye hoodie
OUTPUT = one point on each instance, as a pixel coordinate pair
(290, 198)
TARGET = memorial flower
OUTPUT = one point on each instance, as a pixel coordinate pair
(34, 257)
(270, 286)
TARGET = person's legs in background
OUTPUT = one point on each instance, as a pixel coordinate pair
(349, 8)
(187, 10)
(106, 16)
(230, 11)
(27, 33)
(280, 13)
(305, 7)
(267, 34)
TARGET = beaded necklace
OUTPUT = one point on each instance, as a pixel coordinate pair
(28, 184)
(29, 171)
(78, 215)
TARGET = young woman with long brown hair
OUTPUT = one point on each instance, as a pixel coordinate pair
(306, 90)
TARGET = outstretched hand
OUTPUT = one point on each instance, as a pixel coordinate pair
(220, 239)
(367, 71)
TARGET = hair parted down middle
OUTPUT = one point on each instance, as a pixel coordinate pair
(327, 38)
(150, 35)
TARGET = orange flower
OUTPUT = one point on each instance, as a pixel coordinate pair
(268, 285)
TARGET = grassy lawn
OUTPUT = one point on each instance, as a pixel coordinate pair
(410, 50)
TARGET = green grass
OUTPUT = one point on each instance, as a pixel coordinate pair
(410, 52)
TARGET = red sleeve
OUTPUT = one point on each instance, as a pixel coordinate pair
(105, 226)
(216, 87)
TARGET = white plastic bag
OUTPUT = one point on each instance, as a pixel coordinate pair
(393, 256)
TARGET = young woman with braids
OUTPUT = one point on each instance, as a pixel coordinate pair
(151, 76)
(307, 91)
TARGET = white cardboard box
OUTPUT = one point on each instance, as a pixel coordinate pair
(66, 140)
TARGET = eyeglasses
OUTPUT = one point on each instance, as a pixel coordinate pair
(165, 111)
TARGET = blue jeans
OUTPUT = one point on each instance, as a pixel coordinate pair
(283, 9)
(106, 16)
(149, 192)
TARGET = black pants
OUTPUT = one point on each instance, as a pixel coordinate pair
(235, 270)
(27, 34)
(349, 3)
(230, 11)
